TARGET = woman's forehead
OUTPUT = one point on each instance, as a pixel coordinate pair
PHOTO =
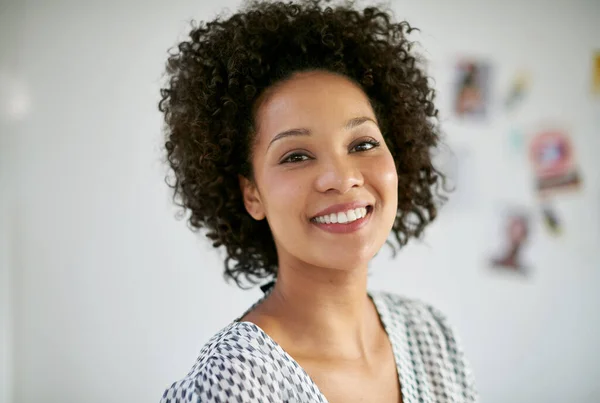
(315, 98)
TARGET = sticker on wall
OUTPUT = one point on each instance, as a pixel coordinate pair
(513, 235)
(472, 89)
(516, 141)
(517, 91)
(553, 160)
(551, 220)
(596, 73)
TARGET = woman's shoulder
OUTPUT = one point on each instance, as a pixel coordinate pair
(422, 332)
(222, 360)
(417, 318)
(240, 363)
(411, 311)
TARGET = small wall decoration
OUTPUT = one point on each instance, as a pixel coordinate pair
(596, 73)
(472, 92)
(518, 90)
(514, 234)
(553, 160)
(551, 221)
(516, 141)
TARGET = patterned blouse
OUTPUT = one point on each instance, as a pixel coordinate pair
(241, 363)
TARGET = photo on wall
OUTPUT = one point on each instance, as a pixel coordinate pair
(472, 89)
(554, 165)
(512, 233)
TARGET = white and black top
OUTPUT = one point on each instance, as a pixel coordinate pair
(242, 363)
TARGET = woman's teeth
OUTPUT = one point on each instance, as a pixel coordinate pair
(342, 217)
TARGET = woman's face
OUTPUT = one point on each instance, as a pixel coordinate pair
(320, 164)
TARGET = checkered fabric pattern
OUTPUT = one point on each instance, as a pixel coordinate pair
(242, 363)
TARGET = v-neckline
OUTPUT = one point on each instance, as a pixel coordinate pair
(384, 318)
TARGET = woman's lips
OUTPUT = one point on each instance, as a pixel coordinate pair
(339, 228)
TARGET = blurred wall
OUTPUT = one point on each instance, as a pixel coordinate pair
(5, 287)
(112, 298)
(10, 16)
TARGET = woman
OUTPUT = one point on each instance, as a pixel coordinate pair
(299, 137)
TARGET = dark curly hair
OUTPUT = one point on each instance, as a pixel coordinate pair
(216, 76)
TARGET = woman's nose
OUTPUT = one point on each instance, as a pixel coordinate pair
(339, 174)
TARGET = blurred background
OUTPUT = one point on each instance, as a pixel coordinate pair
(106, 297)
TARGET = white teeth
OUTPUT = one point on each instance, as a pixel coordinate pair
(343, 217)
(351, 215)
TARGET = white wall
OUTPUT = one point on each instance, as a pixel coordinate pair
(10, 16)
(6, 306)
(113, 298)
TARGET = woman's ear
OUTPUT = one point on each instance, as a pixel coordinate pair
(252, 201)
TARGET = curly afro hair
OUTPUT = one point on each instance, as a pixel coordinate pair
(215, 78)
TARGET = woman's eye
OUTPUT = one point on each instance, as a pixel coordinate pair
(292, 158)
(365, 146)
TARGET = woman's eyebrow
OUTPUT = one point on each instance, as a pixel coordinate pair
(349, 125)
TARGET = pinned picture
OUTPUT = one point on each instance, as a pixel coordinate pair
(553, 161)
(596, 73)
(514, 234)
(517, 90)
(472, 89)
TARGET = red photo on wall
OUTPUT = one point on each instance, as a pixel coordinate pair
(553, 161)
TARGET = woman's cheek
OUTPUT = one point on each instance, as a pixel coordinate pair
(386, 171)
(285, 190)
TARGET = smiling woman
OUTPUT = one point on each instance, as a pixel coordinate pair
(300, 138)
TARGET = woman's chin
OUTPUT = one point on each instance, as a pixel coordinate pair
(346, 261)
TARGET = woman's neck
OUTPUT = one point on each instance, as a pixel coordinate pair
(320, 311)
